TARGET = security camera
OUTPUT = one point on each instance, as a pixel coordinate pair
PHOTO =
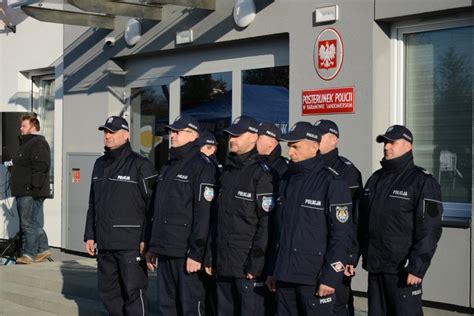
(109, 41)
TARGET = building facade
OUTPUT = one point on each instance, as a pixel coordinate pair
(364, 64)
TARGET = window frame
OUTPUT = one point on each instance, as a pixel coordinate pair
(455, 214)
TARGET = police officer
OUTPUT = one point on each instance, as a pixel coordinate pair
(269, 148)
(344, 304)
(122, 183)
(314, 225)
(399, 227)
(208, 144)
(181, 216)
(245, 201)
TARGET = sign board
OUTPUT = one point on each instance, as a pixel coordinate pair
(328, 101)
(328, 54)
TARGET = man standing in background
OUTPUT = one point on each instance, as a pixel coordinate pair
(30, 186)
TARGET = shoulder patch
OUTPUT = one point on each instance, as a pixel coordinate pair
(346, 161)
(333, 171)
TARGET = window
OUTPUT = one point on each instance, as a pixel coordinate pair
(149, 116)
(208, 98)
(265, 95)
(437, 97)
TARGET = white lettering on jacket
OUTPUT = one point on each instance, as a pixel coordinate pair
(182, 176)
(123, 178)
(312, 202)
(247, 195)
(400, 193)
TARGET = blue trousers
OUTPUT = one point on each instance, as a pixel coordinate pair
(30, 211)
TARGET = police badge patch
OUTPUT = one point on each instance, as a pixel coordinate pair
(338, 266)
(342, 213)
(268, 203)
(208, 193)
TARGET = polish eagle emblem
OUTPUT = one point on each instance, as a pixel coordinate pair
(327, 54)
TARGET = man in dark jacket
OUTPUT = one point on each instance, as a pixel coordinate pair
(181, 220)
(30, 186)
(245, 200)
(208, 144)
(314, 229)
(269, 148)
(122, 184)
(399, 227)
(344, 304)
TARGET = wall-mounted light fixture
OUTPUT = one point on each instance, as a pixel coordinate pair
(326, 14)
(244, 12)
(133, 32)
(184, 37)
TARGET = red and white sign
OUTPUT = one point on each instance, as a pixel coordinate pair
(328, 54)
(329, 101)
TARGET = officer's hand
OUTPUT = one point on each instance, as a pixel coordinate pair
(271, 283)
(192, 265)
(413, 280)
(324, 290)
(210, 270)
(350, 271)
(142, 249)
(151, 262)
(250, 276)
(90, 247)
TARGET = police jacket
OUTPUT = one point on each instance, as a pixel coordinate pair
(349, 172)
(314, 224)
(31, 165)
(245, 199)
(400, 218)
(122, 183)
(182, 204)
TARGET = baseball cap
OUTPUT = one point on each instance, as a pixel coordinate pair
(241, 125)
(302, 130)
(327, 126)
(206, 138)
(114, 123)
(269, 129)
(184, 121)
(395, 132)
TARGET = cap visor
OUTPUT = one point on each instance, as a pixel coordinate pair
(291, 138)
(233, 130)
(103, 127)
(383, 138)
(174, 127)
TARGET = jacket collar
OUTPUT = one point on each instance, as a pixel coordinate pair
(313, 164)
(188, 150)
(239, 161)
(398, 164)
(331, 157)
(26, 138)
(119, 152)
(273, 156)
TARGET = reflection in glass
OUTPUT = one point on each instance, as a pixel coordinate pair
(208, 98)
(265, 95)
(150, 115)
(438, 101)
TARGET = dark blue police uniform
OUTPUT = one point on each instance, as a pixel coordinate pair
(399, 228)
(181, 219)
(313, 214)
